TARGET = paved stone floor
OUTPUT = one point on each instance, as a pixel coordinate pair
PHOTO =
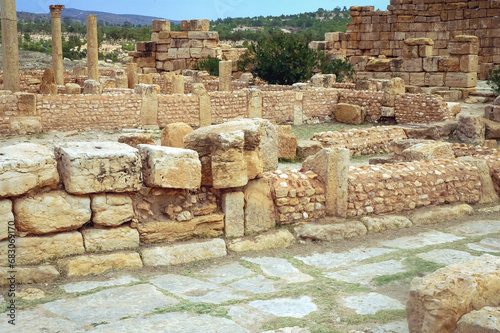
(358, 285)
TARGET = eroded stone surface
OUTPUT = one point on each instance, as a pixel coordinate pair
(330, 260)
(363, 274)
(99, 263)
(226, 273)
(110, 239)
(111, 304)
(486, 320)
(421, 240)
(247, 316)
(195, 290)
(477, 228)
(331, 232)
(93, 167)
(446, 256)
(40, 321)
(6, 216)
(26, 166)
(111, 209)
(280, 268)
(486, 245)
(78, 287)
(27, 275)
(377, 224)
(286, 307)
(371, 303)
(441, 214)
(270, 240)
(257, 285)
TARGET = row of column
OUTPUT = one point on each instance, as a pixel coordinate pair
(10, 46)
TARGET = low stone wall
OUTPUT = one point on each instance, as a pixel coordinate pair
(370, 102)
(319, 104)
(405, 186)
(367, 141)
(278, 106)
(228, 105)
(178, 108)
(420, 108)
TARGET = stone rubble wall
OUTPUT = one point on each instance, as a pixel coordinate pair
(370, 102)
(228, 105)
(420, 108)
(373, 140)
(405, 186)
(319, 104)
(9, 103)
(178, 108)
(278, 106)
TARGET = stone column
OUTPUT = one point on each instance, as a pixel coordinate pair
(225, 71)
(92, 48)
(132, 75)
(10, 47)
(57, 53)
(205, 104)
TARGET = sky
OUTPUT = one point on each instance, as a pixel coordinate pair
(198, 9)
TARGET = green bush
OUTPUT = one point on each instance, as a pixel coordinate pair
(211, 65)
(341, 68)
(494, 80)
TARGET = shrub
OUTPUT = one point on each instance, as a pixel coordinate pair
(341, 68)
(494, 80)
(211, 65)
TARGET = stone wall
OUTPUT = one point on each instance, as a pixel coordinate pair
(319, 104)
(178, 108)
(404, 186)
(278, 106)
(372, 140)
(370, 101)
(9, 103)
(420, 108)
(228, 105)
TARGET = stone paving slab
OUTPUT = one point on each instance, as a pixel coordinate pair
(286, 307)
(257, 285)
(111, 304)
(280, 268)
(195, 290)
(486, 245)
(396, 327)
(82, 286)
(331, 260)
(39, 321)
(365, 273)
(371, 303)
(421, 240)
(477, 228)
(173, 322)
(226, 273)
(248, 317)
(446, 256)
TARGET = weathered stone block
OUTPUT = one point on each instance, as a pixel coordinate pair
(349, 113)
(428, 151)
(26, 104)
(170, 167)
(6, 218)
(99, 263)
(323, 80)
(134, 139)
(413, 65)
(195, 25)
(489, 194)
(438, 300)
(35, 250)
(430, 64)
(259, 206)
(149, 106)
(54, 211)
(460, 48)
(225, 71)
(111, 209)
(485, 320)
(469, 63)
(448, 64)
(26, 166)
(268, 147)
(393, 88)
(306, 148)
(331, 232)
(25, 125)
(90, 167)
(173, 134)
(234, 220)
(161, 25)
(378, 65)
(287, 143)
(183, 253)
(441, 214)
(30, 275)
(110, 239)
(92, 87)
(461, 80)
(417, 79)
(73, 89)
(434, 79)
(388, 222)
(270, 240)
(471, 129)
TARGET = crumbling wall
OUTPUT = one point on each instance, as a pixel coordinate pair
(278, 106)
(420, 108)
(228, 105)
(178, 108)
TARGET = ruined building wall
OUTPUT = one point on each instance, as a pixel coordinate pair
(383, 32)
(178, 108)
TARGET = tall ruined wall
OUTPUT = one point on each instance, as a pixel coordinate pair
(383, 32)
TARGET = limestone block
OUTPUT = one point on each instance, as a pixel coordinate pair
(225, 71)
(234, 220)
(434, 79)
(195, 25)
(92, 87)
(430, 64)
(26, 166)
(170, 167)
(448, 64)
(26, 104)
(54, 211)
(99, 263)
(268, 147)
(395, 65)
(30, 275)
(378, 65)
(471, 129)
(460, 48)
(35, 250)
(73, 89)
(332, 166)
(111, 209)
(492, 112)
(48, 85)
(287, 143)
(410, 51)
(178, 84)
(461, 80)
(201, 226)
(306, 148)
(438, 300)
(331, 232)
(259, 206)
(418, 41)
(221, 150)
(441, 214)
(489, 195)
(183, 253)
(270, 240)
(428, 151)
(134, 139)
(25, 125)
(90, 167)
(394, 87)
(110, 239)
(323, 80)
(349, 113)
(161, 25)
(6, 218)
(173, 134)
(485, 320)
(246, 77)
(149, 106)
(388, 222)
(254, 163)
(492, 129)
(417, 79)
(105, 83)
(413, 65)
(469, 63)
(425, 51)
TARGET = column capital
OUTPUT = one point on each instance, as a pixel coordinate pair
(55, 10)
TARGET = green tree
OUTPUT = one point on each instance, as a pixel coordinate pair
(494, 80)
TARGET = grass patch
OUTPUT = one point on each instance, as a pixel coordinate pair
(101, 323)
(417, 268)
(381, 317)
(195, 308)
(281, 322)
(305, 132)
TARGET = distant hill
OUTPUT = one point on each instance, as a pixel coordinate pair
(81, 15)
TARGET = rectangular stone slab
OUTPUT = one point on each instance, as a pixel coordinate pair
(93, 167)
